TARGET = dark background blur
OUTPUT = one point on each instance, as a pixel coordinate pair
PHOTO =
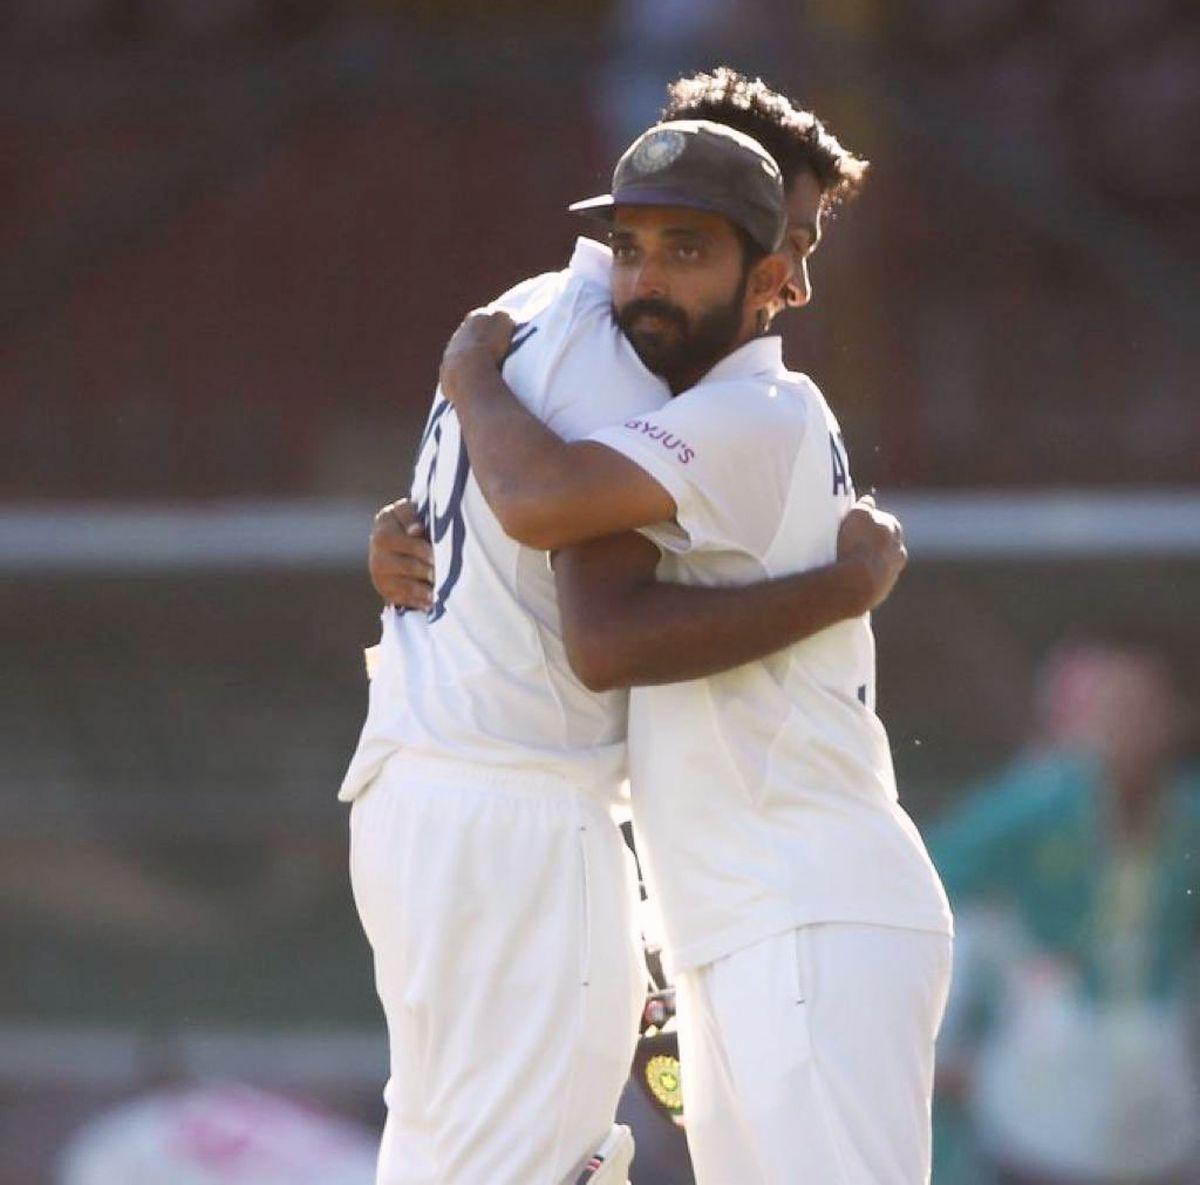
(234, 236)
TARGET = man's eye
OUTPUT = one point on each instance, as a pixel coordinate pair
(623, 251)
(688, 251)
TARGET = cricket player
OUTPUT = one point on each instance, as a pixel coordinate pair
(490, 879)
(805, 924)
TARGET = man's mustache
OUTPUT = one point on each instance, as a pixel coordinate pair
(648, 306)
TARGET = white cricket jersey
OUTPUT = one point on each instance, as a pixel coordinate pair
(764, 796)
(483, 676)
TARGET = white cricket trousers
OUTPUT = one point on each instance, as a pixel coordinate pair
(807, 1058)
(500, 910)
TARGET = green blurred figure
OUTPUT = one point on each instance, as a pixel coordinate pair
(1069, 1051)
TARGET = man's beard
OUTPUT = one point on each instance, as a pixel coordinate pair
(680, 350)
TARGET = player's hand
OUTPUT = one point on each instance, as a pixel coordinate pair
(401, 557)
(874, 539)
(481, 340)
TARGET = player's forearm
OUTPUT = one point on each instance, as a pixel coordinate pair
(523, 469)
(668, 633)
(547, 493)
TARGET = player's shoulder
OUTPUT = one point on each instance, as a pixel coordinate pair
(754, 403)
(562, 294)
(588, 282)
(756, 374)
(802, 391)
(806, 394)
(802, 386)
(591, 264)
(525, 301)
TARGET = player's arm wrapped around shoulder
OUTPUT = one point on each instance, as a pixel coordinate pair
(622, 627)
(727, 464)
(724, 451)
(546, 492)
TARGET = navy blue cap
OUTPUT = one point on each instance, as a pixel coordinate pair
(700, 165)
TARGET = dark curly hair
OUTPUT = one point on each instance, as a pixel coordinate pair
(797, 139)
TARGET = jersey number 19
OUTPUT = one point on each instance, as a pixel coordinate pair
(438, 487)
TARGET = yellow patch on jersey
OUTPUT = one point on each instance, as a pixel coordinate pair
(662, 1076)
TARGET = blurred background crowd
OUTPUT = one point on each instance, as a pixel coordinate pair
(234, 236)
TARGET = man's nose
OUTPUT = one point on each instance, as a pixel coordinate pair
(650, 281)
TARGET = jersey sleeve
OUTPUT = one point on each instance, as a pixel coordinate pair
(725, 453)
(526, 300)
(590, 263)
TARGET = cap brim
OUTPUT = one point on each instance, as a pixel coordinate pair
(601, 205)
(604, 205)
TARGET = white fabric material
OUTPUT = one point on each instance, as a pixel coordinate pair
(500, 911)
(609, 1164)
(808, 1057)
(764, 796)
(483, 676)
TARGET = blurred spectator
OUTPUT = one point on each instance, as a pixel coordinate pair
(1075, 874)
(218, 1133)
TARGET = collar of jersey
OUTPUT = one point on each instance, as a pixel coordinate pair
(760, 355)
(591, 261)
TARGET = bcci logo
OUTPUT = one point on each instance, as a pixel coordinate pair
(662, 1076)
(657, 150)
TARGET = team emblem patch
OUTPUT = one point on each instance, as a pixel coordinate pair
(662, 1076)
(657, 150)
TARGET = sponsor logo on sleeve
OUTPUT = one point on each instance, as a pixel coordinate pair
(683, 452)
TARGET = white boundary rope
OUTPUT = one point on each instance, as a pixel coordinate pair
(234, 535)
(83, 1055)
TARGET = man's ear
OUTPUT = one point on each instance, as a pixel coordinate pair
(767, 280)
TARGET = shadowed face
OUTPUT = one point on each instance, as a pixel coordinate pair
(679, 283)
(803, 236)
